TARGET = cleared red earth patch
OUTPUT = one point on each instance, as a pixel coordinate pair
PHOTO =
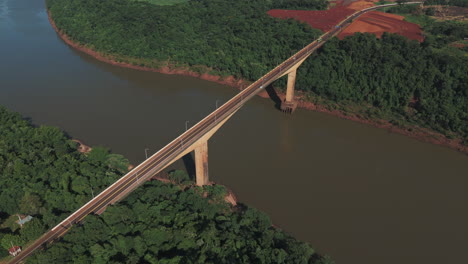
(359, 5)
(378, 22)
(323, 20)
(373, 22)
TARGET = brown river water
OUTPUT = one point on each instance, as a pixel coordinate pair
(357, 193)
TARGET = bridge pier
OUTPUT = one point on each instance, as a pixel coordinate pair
(201, 163)
(289, 105)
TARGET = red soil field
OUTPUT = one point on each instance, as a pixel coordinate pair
(378, 22)
(373, 22)
(323, 20)
(359, 5)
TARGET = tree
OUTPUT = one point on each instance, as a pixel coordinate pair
(31, 204)
(179, 176)
(9, 239)
(32, 229)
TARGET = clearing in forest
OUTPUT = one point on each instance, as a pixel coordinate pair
(378, 22)
(373, 22)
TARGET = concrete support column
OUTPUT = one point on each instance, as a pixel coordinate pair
(290, 87)
(201, 163)
(289, 105)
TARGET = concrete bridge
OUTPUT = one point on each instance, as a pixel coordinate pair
(195, 139)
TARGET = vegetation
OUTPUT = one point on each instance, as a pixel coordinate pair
(43, 175)
(440, 34)
(421, 20)
(167, 223)
(300, 4)
(383, 2)
(437, 33)
(461, 3)
(229, 37)
(391, 78)
(402, 9)
(398, 79)
(164, 2)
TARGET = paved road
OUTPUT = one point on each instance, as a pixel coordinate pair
(160, 160)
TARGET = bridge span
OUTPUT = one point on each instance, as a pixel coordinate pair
(194, 139)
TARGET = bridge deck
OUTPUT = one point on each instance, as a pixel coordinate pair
(163, 157)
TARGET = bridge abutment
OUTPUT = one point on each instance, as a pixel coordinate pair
(201, 163)
(289, 105)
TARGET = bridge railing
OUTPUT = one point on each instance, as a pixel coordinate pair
(203, 126)
(221, 112)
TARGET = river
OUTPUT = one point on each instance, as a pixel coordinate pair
(355, 192)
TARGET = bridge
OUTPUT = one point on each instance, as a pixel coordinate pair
(194, 139)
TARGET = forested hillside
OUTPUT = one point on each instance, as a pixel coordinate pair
(43, 175)
(299, 4)
(230, 37)
(461, 3)
(391, 78)
(166, 223)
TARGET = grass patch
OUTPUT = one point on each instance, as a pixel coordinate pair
(383, 2)
(422, 20)
(164, 2)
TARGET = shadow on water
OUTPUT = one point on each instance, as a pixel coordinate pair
(274, 96)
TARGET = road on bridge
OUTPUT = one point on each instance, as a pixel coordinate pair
(161, 159)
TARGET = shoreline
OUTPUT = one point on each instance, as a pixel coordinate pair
(230, 80)
(413, 131)
(82, 148)
(230, 197)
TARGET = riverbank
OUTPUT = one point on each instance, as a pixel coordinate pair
(162, 176)
(181, 207)
(229, 80)
(82, 147)
(230, 196)
(413, 131)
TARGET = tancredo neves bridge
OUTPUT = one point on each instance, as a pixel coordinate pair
(194, 139)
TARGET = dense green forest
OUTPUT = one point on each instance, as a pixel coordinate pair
(439, 34)
(163, 2)
(461, 3)
(215, 33)
(392, 78)
(395, 78)
(300, 4)
(42, 174)
(167, 223)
